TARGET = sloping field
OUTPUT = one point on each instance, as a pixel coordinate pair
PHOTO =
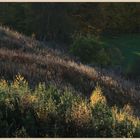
(37, 63)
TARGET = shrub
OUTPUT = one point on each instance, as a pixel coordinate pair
(103, 57)
(112, 122)
(50, 112)
(81, 114)
(3, 85)
(86, 48)
(126, 125)
(80, 118)
(67, 100)
(90, 50)
(97, 97)
(102, 119)
(20, 84)
(137, 131)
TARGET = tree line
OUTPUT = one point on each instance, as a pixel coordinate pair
(61, 21)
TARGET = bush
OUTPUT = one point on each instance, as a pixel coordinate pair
(101, 114)
(97, 97)
(90, 50)
(86, 48)
(80, 119)
(112, 122)
(125, 125)
(103, 57)
(50, 112)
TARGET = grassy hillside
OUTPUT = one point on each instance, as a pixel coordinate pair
(128, 44)
(38, 63)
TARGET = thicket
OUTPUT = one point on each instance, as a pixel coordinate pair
(50, 112)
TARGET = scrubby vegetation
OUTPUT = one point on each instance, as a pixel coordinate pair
(81, 65)
(49, 112)
(38, 63)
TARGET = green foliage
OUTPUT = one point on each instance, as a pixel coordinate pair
(49, 112)
(113, 122)
(4, 127)
(125, 124)
(90, 50)
(102, 119)
(128, 44)
(116, 55)
(86, 48)
(103, 57)
(133, 69)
